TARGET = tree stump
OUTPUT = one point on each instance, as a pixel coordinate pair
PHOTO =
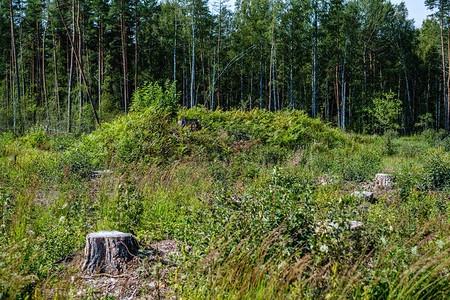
(383, 179)
(109, 251)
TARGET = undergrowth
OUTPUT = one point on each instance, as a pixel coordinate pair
(252, 193)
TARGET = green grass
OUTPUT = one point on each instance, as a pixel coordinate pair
(244, 193)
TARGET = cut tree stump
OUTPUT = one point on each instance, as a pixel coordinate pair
(383, 179)
(109, 251)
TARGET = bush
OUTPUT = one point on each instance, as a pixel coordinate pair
(436, 169)
(37, 138)
(162, 99)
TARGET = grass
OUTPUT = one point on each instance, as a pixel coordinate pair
(244, 193)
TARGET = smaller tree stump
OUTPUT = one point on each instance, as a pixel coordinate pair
(383, 179)
(109, 251)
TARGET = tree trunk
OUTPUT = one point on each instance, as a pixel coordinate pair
(261, 79)
(343, 86)
(123, 31)
(69, 96)
(218, 52)
(314, 104)
(193, 54)
(55, 63)
(16, 68)
(174, 56)
(291, 75)
(80, 58)
(443, 73)
(109, 251)
(44, 81)
(327, 104)
(447, 111)
(100, 60)
(407, 86)
(136, 57)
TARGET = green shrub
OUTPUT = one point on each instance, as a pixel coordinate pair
(444, 143)
(62, 142)
(37, 138)
(436, 169)
(162, 99)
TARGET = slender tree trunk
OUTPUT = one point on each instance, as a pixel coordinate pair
(327, 107)
(407, 85)
(292, 77)
(343, 86)
(193, 54)
(175, 56)
(273, 72)
(55, 70)
(136, 44)
(21, 60)
(314, 104)
(351, 91)
(185, 102)
(444, 86)
(100, 59)
(69, 96)
(16, 68)
(447, 110)
(218, 52)
(80, 56)
(7, 88)
(213, 80)
(439, 106)
(123, 31)
(44, 81)
(270, 78)
(261, 79)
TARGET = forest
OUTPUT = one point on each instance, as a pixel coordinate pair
(67, 65)
(261, 149)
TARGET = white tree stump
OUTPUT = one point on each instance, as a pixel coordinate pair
(109, 251)
(383, 179)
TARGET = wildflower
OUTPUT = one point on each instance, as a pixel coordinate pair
(323, 248)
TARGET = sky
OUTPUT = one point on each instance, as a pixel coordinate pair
(416, 10)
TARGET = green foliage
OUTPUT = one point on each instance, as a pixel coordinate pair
(123, 210)
(386, 110)
(288, 129)
(359, 167)
(425, 121)
(436, 168)
(162, 99)
(37, 139)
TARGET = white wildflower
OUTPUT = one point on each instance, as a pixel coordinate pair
(323, 248)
